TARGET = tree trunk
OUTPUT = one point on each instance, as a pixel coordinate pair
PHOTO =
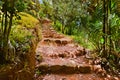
(6, 28)
(4, 38)
(105, 27)
(110, 28)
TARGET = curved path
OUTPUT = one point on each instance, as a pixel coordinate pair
(59, 58)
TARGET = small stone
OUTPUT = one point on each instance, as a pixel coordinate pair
(63, 79)
(116, 78)
(84, 68)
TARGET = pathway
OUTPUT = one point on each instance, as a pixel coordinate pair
(59, 58)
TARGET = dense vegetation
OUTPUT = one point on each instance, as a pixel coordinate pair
(19, 35)
(11, 18)
(94, 24)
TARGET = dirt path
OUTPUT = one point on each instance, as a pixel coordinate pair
(62, 59)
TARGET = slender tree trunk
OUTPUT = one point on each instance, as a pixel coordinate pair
(105, 27)
(4, 41)
(110, 28)
(2, 23)
(6, 26)
(11, 18)
(2, 29)
(104, 47)
(10, 26)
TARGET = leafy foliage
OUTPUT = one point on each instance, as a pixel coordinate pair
(33, 7)
(23, 31)
(27, 20)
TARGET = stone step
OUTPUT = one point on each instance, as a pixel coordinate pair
(54, 32)
(51, 28)
(66, 51)
(66, 68)
(57, 41)
(53, 36)
(46, 36)
(70, 77)
(58, 36)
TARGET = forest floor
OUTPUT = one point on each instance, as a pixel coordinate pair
(59, 58)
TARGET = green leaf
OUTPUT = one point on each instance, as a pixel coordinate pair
(102, 40)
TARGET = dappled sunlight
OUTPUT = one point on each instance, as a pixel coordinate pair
(59, 40)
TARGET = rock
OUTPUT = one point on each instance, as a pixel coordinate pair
(62, 55)
(58, 42)
(38, 57)
(116, 78)
(96, 67)
(55, 68)
(78, 53)
(84, 68)
(98, 70)
(43, 67)
(63, 79)
(64, 42)
(68, 69)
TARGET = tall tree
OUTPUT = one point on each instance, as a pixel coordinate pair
(33, 7)
(70, 13)
(8, 10)
(107, 28)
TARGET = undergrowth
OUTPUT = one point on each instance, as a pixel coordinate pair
(24, 36)
(22, 31)
(82, 39)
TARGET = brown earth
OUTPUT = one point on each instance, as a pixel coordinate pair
(59, 58)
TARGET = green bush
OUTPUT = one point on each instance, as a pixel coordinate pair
(22, 31)
(83, 40)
